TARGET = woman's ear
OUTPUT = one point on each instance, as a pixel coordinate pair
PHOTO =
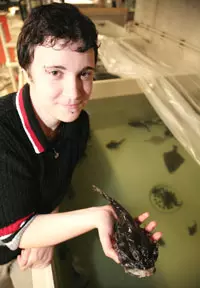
(27, 76)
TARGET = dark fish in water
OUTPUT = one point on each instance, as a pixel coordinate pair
(168, 133)
(173, 159)
(156, 140)
(136, 250)
(145, 123)
(102, 24)
(161, 242)
(139, 124)
(192, 229)
(164, 198)
(114, 144)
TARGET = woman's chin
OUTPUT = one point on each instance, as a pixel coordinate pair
(70, 116)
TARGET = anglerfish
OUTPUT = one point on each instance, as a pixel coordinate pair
(137, 251)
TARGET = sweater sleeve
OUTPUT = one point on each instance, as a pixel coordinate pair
(18, 190)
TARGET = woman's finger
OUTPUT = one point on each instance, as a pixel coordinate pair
(112, 211)
(23, 258)
(20, 262)
(157, 236)
(151, 226)
(113, 255)
(143, 217)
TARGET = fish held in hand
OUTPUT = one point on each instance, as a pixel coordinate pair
(137, 251)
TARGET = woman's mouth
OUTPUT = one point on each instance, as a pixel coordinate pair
(74, 108)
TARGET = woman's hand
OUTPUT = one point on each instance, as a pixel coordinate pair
(35, 257)
(150, 227)
(106, 218)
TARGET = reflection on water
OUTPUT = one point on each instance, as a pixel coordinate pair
(129, 173)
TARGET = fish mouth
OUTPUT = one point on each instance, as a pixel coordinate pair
(141, 273)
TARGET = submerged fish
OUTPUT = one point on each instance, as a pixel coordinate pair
(168, 133)
(101, 24)
(114, 144)
(136, 250)
(173, 160)
(192, 229)
(164, 198)
(145, 123)
(139, 124)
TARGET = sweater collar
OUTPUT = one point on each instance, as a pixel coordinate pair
(30, 123)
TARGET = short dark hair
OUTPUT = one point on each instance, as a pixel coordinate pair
(57, 21)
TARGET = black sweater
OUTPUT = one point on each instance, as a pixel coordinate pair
(34, 172)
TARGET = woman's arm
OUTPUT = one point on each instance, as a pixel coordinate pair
(54, 228)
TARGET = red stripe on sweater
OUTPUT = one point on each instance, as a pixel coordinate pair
(27, 124)
(14, 227)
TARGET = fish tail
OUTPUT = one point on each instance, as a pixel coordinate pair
(122, 140)
(96, 189)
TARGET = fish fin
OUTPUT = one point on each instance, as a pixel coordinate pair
(122, 140)
(96, 189)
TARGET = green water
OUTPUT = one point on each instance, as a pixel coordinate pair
(128, 174)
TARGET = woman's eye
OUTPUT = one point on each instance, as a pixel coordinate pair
(54, 73)
(87, 75)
